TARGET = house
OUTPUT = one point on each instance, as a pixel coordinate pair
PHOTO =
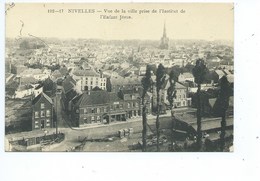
(181, 100)
(97, 107)
(125, 83)
(183, 77)
(37, 74)
(90, 79)
(37, 90)
(219, 74)
(24, 91)
(142, 70)
(56, 75)
(42, 112)
(132, 102)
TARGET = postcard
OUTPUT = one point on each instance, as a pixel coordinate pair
(119, 77)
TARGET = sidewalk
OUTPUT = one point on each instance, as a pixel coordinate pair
(136, 119)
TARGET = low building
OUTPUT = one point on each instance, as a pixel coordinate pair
(42, 112)
(183, 77)
(96, 107)
(181, 100)
(89, 79)
(24, 91)
(132, 102)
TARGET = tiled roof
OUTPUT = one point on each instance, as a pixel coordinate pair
(36, 99)
(188, 75)
(95, 98)
(220, 73)
(24, 87)
(230, 78)
(90, 72)
(28, 80)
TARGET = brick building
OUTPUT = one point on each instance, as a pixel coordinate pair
(42, 112)
(100, 107)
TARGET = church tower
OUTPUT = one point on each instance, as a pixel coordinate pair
(164, 44)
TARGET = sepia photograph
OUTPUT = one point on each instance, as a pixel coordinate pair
(119, 77)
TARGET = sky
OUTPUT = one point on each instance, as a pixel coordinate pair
(208, 21)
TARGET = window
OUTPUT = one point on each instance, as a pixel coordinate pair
(42, 114)
(36, 122)
(48, 122)
(48, 113)
(92, 118)
(93, 110)
(136, 104)
(105, 109)
(36, 114)
(86, 111)
(120, 106)
(98, 118)
(42, 106)
(128, 105)
(98, 110)
(36, 126)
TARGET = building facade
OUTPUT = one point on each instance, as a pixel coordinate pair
(42, 112)
(101, 107)
(90, 79)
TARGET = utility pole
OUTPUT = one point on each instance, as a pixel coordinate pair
(58, 94)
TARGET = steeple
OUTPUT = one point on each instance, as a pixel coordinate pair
(164, 30)
(164, 40)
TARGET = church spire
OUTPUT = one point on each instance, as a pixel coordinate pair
(164, 30)
(164, 40)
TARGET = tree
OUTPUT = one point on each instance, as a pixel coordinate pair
(146, 84)
(49, 87)
(199, 72)
(160, 80)
(222, 104)
(171, 93)
(109, 85)
(24, 45)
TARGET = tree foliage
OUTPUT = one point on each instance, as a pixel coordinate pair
(160, 80)
(199, 73)
(146, 84)
(109, 85)
(221, 107)
(171, 94)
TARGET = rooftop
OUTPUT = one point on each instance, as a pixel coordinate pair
(36, 99)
